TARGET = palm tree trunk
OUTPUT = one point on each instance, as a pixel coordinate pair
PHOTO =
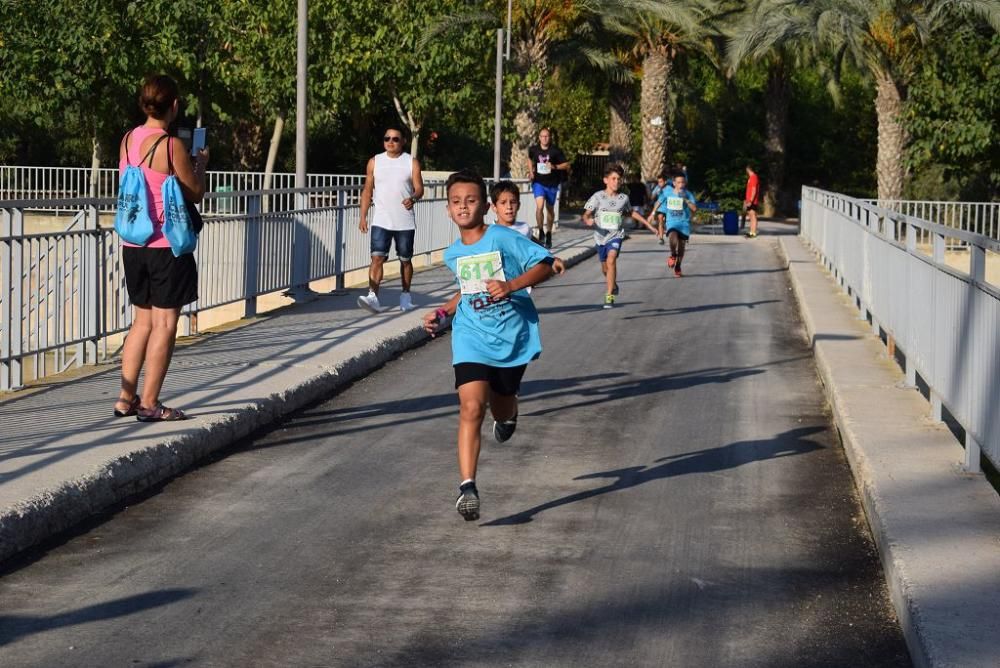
(653, 101)
(776, 113)
(620, 139)
(531, 61)
(892, 136)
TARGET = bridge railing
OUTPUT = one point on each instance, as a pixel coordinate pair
(945, 320)
(48, 185)
(976, 217)
(62, 293)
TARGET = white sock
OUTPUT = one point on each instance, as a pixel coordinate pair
(467, 480)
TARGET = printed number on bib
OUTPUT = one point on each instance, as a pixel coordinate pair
(675, 204)
(475, 270)
(544, 168)
(609, 220)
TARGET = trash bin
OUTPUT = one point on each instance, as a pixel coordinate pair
(731, 222)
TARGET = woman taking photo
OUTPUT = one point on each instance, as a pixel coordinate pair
(158, 283)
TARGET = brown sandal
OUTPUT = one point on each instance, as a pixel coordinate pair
(159, 413)
(133, 407)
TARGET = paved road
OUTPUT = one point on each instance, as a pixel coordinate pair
(675, 496)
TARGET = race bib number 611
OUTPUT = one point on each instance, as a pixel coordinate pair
(475, 270)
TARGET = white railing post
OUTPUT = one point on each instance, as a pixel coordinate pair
(90, 266)
(12, 270)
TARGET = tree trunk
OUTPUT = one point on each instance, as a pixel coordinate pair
(531, 61)
(892, 137)
(620, 140)
(653, 100)
(414, 125)
(272, 156)
(776, 106)
(95, 166)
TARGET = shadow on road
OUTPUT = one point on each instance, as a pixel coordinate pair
(730, 456)
(13, 627)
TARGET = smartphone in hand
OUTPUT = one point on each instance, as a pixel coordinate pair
(198, 140)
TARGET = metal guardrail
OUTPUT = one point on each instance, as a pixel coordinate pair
(47, 185)
(946, 322)
(976, 217)
(62, 293)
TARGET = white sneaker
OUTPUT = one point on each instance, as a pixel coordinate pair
(370, 303)
(406, 302)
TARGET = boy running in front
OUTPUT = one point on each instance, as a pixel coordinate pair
(495, 327)
(607, 209)
(680, 204)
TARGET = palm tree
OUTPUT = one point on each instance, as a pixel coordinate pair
(885, 38)
(660, 30)
(765, 32)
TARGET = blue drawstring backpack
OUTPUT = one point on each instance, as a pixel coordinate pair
(178, 227)
(132, 220)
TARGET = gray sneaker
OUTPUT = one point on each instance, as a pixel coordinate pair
(467, 503)
(504, 429)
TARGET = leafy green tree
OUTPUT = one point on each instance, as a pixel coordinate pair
(887, 39)
(72, 64)
(952, 114)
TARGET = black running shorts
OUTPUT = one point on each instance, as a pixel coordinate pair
(154, 277)
(505, 381)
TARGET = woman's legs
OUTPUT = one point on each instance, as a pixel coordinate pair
(134, 354)
(159, 350)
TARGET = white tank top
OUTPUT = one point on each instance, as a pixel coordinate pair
(393, 184)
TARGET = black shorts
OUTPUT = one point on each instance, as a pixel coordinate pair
(752, 207)
(154, 277)
(504, 380)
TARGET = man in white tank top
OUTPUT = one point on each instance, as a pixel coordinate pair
(393, 181)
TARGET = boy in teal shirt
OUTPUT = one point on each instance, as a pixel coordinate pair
(678, 204)
(495, 326)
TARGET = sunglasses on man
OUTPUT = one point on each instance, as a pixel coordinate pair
(392, 140)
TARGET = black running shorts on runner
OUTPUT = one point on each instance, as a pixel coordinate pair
(154, 277)
(505, 381)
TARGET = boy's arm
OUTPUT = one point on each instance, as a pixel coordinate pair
(534, 276)
(431, 324)
(588, 217)
(637, 217)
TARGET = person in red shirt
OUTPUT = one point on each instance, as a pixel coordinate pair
(751, 200)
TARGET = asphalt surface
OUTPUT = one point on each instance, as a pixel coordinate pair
(675, 496)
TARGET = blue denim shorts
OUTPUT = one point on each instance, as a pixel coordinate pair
(382, 238)
(603, 249)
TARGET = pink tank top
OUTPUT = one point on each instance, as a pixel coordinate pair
(154, 183)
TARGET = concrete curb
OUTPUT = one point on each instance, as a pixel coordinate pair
(936, 632)
(58, 509)
(856, 456)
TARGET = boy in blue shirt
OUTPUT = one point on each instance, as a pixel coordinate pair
(678, 204)
(495, 326)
